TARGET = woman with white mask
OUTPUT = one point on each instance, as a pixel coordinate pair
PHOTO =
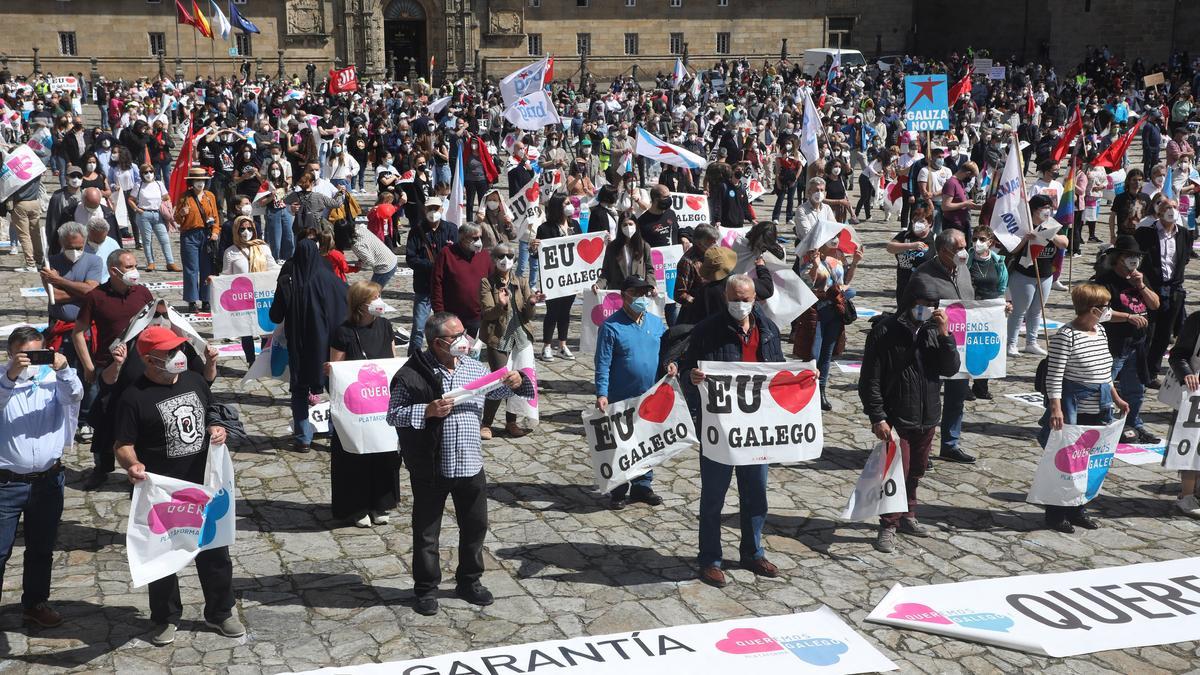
(560, 222)
(507, 308)
(1034, 267)
(248, 254)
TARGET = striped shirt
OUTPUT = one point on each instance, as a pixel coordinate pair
(1080, 357)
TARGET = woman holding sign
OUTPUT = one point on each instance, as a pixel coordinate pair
(817, 332)
(627, 254)
(1185, 366)
(364, 486)
(507, 307)
(248, 254)
(558, 310)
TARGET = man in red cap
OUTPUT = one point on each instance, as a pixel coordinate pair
(161, 428)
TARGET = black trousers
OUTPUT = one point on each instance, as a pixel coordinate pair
(215, 570)
(1164, 322)
(429, 492)
(558, 318)
(905, 209)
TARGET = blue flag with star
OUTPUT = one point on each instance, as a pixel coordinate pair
(239, 21)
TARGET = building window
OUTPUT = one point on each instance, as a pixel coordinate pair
(242, 42)
(535, 44)
(722, 43)
(581, 3)
(676, 43)
(535, 3)
(158, 44)
(154, 2)
(838, 34)
(677, 3)
(66, 44)
(722, 3)
(631, 3)
(631, 44)
(239, 2)
(583, 43)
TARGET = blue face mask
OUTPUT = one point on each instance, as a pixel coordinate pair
(640, 305)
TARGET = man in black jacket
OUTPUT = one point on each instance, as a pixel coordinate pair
(426, 240)
(1164, 275)
(899, 385)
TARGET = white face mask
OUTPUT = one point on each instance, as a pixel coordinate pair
(477, 245)
(920, 227)
(433, 216)
(460, 347)
(739, 309)
(922, 313)
(132, 278)
(1106, 315)
(377, 307)
(74, 182)
(837, 170)
(1170, 216)
(961, 257)
(147, 178)
(1045, 215)
(90, 166)
(504, 264)
(246, 209)
(569, 210)
(628, 230)
(817, 198)
(982, 248)
(247, 235)
(198, 186)
(73, 254)
(176, 364)
(492, 206)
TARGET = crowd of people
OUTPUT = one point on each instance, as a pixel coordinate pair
(239, 176)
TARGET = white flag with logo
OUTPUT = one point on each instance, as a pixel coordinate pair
(653, 147)
(810, 130)
(523, 82)
(359, 393)
(1010, 214)
(522, 361)
(532, 112)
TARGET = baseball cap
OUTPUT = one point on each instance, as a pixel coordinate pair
(634, 281)
(158, 338)
(73, 170)
(433, 201)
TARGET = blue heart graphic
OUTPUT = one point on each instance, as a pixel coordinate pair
(216, 509)
(1097, 470)
(984, 621)
(981, 349)
(817, 651)
(263, 305)
(279, 359)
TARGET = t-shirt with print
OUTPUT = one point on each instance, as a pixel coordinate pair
(1127, 300)
(165, 425)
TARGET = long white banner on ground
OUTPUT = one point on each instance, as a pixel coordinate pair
(1058, 614)
(808, 642)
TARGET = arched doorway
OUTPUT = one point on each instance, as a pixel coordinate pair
(404, 40)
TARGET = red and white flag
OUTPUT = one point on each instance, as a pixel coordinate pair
(343, 80)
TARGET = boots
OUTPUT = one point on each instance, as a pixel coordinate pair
(825, 404)
(980, 389)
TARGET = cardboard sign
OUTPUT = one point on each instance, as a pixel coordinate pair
(67, 83)
(996, 73)
(1075, 463)
(359, 393)
(690, 210)
(926, 103)
(1154, 79)
(880, 488)
(981, 65)
(570, 264)
(600, 305)
(243, 304)
(760, 413)
(1183, 448)
(666, 266)
(633, 436)
(523, 361)
(977, 327)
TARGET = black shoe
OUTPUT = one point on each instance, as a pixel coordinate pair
(648, 497)
(426, 605)
(929, 463)
(970, 395)
(476, 594)
(1146, 437)
(1061, 526)
(301, 448)
(1156, 383)
(1094, 240)
(1085, 521)
(980, 389)
(616, 502)
(825, 404)
(191, 308)
(205, 307)
(95, 479)
(956, 455)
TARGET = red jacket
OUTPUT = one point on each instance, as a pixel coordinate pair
(379, 220)
(457, 279)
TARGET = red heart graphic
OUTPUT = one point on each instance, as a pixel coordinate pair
(655, 407)
(793, 391)
(694, 203)
(590, 249)
(532, 193)
(748, 641)
(846, 243)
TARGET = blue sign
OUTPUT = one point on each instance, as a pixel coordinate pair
(926, 103)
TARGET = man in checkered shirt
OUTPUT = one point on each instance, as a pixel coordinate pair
(439, 439)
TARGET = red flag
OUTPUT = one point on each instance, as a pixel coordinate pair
(343, 80)
(183, 163)
(1110, 158)
(961, 88)
(1074, 128)
(199, 22)
(182, 16)
(549, 73)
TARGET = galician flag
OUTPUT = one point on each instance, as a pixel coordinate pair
(1010, 215)
(649, 145)
(221, 25)
(679, 75)
(809, 145)
(456, 209)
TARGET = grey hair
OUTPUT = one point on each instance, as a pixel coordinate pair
(114, 258)
(945, 239)
(815, 181)
(436, 321)
(742, 280)
(70, 229)
(97, 224)
(705, 233)
(469, 229)
(502, 249)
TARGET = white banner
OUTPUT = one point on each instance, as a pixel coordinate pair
(570, 264)
(272, 361)
(523, 361)
(880, 488)
(20, 166)
(1074, 464)
(760, 413)
(977, 327)
(635, 435)
(1185, 433)
(172, 520)
(359, 393)
(242, 304)
(805, 642)
(690, 210)
(1058, 615)
(600, 305)
(525, 209)
(666, 267)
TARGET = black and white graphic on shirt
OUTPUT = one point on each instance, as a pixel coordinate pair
(183, 420)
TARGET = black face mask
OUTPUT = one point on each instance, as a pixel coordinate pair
(663, 204)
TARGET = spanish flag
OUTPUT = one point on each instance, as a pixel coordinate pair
(200, 22)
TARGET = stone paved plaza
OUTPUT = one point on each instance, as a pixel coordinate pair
(314, 593)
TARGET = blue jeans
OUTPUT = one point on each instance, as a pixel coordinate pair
(278, 231)
(524, 260)
(383, 279)
(41, 502)
(422, 308)
(197, 266)
(162, 171)
(302, 429)
(790, 194)
(60, 165)
(151, 223)
(340, 182)
(1027, 306)
(752, 508)
(361, 178)
(825, 337)
(954, 394)
(1072, 394)
(641, 486)
(1129, 386)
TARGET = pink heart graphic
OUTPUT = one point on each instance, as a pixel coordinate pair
(957, 314)
(369, 394)
(1074, 457)
(186, 509)
(913, 611)
(239, 297)
(660, 272)
(609, 306)
(533, 380)
(748, 641)
(21, 166)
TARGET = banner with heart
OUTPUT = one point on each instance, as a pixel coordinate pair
(242, 304)
(690, 210)
(978, 327)
(1074, 464)
(880, 488)
(760, 413)
(522, 360)
(570, 264)
(526, 210)
(359, 393)
(1182, 451)
(637, 434)
(597, 307)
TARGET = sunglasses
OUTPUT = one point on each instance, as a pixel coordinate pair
(506, 256)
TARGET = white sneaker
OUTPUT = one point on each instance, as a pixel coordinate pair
(1059, 286)
(1188, 506)
(380, 518)
(565, 353)
(547, 353)
(1034, 348)
(365, 521)
(1013, 351)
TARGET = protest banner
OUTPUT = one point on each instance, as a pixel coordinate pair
(880, 488)
(551, 181)
(171, 520)
(65, 83)
(630, 437)
(272, 361)
(977, 327)
(532, 112)
(20, 166)
(1153, 79)
(760, 413)
(1064, 614)
(755, 189)
(996, 73)
(1010, 219)
(981, 65)
(525, 209)
(523, 361)
(359, 393)
(598, 306)
(243, 304)
(926, 103)
(1182, 445)
(1075, 463)
(816, 641)
(666, 266)
(1141, 453)
(570, 264)
(690, 210)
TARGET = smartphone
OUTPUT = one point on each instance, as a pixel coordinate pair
(40, 357)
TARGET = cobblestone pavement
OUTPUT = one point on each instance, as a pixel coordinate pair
(314, 593)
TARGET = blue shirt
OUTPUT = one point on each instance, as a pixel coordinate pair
(101, 251)
(37, 418)
(87, 268)
(627, 355)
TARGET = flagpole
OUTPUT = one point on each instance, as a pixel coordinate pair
(212, 55)
(195, 52)
(178, 51)
(1037, 271)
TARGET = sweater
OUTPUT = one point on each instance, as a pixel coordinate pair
(457, 277)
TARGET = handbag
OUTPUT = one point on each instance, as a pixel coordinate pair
(849, 311)
(165, 208)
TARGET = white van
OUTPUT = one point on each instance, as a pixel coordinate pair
(814, 59)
